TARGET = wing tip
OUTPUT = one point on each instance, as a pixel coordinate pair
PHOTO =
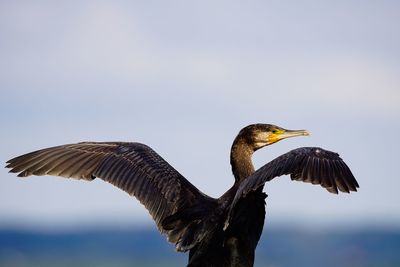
(342, 190)
(332, 190)
(22, 175)
(14, 169)
(11, 163)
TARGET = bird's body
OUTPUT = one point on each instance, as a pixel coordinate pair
(216, 231)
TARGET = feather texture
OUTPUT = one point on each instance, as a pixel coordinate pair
(132, 167)
(307, 164)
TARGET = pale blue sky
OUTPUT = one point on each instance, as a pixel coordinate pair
(184, 77)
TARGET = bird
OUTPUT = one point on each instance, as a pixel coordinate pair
(217, 232)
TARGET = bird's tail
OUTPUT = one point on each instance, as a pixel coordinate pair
(188, 227)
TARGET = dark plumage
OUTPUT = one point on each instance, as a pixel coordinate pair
(217, 232)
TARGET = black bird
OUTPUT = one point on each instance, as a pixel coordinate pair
(216, 232)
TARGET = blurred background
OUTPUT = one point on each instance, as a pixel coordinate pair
(184, 77)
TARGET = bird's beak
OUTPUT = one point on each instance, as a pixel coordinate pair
(293, 133)
(283, 134)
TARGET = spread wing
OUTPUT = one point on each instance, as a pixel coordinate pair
(308, 164)
(132, 167)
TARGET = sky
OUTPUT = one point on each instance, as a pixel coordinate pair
(184, 77)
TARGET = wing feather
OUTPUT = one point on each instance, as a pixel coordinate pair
(132, 167)
(339, 178)
(308, 164)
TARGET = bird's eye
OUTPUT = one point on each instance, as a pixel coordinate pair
(274, 131)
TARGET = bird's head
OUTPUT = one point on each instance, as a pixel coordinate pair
(260, 135)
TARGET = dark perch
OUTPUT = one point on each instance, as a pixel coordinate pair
(216, 232)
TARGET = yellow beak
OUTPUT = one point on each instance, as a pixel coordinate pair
(282, 134)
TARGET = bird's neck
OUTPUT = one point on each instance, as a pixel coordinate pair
(242, 166)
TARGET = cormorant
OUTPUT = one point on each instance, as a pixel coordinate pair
(216, 231)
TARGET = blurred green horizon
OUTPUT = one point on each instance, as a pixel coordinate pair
(278, 247)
